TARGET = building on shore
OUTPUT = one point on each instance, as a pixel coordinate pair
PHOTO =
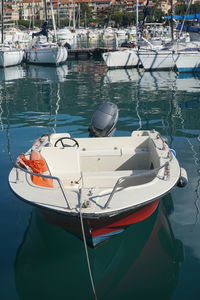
(29, 9)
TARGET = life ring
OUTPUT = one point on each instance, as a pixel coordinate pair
(37, 165)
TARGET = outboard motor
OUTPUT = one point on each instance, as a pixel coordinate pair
(104, 119)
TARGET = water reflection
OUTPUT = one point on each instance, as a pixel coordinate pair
(51, 264)
(122, 75)
(49, 73)
(150, 81)
(12, 73)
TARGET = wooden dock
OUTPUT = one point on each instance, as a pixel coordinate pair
(88, 52)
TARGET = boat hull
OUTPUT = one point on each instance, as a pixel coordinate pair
(98, 230)
(188, 61)
(10, 57)
(50, 55)
(121, 59)
(157, 60)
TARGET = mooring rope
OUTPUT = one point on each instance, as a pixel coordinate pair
(86, 253)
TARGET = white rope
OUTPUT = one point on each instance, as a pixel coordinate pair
(86, 252)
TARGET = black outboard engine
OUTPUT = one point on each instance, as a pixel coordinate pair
(104, 120)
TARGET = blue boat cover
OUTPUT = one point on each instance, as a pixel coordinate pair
(195, 17)
(188, 28)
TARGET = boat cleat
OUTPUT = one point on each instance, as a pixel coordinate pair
(86, 204)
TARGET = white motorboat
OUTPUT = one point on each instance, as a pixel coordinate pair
(46, 53)
(121, 58)
(65, 36)
(109, 33)
(10, 56)
(104, 183)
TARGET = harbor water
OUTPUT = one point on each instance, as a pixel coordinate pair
(158, 258)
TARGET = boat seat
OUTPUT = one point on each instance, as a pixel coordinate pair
(101, 152)
(113, 152)
(107, 178)
(63, 163)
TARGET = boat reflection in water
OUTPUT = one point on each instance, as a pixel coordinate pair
(122, 75)
(142, 262)
(49, 73)
(156, 80)
(12, 73)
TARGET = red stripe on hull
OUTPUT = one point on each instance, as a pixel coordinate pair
(102, 226)
(137, 216)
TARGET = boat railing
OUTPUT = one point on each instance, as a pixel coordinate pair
(121, 179)
(16, 166)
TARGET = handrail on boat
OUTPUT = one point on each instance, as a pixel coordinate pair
(16, 166)
(121, 179)
(149, 172)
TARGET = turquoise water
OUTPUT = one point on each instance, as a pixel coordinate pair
(158, 258)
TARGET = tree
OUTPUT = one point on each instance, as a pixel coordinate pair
(85, 13)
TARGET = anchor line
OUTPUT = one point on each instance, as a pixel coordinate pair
(86, 251)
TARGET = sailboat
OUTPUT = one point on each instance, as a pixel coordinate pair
(9, 54)
(122, 58)
(189, 57)
(159, 57)
(47, 52)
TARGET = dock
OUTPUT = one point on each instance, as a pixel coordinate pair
(88, 52)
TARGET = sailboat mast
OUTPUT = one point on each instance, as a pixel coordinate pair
(33, 14)
(45, 10)
(53, 20)
(2, 23)
(137, 22)
(171, 21)
(74, 20)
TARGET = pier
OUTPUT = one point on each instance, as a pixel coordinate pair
(88, 52)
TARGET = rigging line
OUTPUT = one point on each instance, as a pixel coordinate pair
(86, 251)
(145, 14)
(182, 25)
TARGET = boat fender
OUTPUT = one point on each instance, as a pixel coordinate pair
(183, 180)
(173, 152)
(165, 139)
(37, 164)
(42, 168)
(40, 142)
